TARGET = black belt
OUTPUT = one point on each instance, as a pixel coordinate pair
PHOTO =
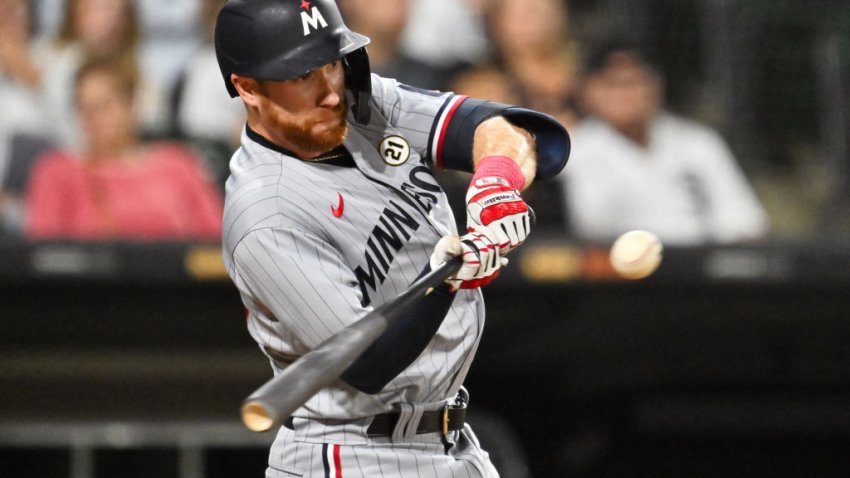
(443, 421)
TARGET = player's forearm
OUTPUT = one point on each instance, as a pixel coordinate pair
(498, 137)
(401, 344)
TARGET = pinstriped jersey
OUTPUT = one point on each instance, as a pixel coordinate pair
(314, 246)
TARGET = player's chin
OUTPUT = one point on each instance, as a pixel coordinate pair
(329, 135)
(328, 125)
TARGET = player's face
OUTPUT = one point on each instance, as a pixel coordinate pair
(306, 114)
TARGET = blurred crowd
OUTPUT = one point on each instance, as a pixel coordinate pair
(115, 124)
(100, 137)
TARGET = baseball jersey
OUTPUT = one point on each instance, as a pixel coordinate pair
(314, 246)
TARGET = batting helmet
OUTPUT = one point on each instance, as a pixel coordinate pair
(283, 39)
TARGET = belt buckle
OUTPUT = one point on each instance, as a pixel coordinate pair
(446, 419)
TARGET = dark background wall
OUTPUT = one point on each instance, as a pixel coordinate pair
(728, 361)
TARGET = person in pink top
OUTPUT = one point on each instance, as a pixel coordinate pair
(119, 187)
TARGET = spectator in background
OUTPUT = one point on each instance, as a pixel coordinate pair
(533, 46)
(23, 112)
(534, 64)
(47, 16)
(489, 82)
(636, 166)
(384, 26)
(119, 187)
(486, 81)
(446, 34)
(170, 32)
(206, 115)
(95, 29)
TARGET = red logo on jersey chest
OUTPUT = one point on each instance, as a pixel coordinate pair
(337, 210)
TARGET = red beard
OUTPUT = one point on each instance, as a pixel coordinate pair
(299, 133)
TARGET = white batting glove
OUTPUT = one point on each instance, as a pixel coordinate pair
(492, 202)
(481, 258)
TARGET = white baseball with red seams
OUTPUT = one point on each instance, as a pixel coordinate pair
(636, 254)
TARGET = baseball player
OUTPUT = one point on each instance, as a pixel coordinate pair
(332, 209)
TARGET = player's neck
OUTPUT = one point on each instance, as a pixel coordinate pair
(306, 149)
(337, 154)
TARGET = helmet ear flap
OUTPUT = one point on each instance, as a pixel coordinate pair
(231, 89)
(359, 81)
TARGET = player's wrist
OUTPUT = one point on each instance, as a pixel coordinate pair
(502, 167)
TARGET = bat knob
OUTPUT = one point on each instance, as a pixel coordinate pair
(257, 417)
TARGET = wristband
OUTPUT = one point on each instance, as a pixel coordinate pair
(500, 167)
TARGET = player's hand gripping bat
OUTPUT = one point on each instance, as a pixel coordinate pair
(278, 398)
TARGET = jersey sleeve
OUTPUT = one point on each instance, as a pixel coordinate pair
(413, 111)
(450, 121)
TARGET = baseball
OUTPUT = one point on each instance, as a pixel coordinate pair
(636, 254)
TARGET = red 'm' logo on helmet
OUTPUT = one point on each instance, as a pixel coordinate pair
(312, 20)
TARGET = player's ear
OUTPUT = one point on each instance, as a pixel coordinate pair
(248, 88)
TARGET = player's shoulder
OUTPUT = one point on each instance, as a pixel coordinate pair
(267, 189)
(391, 92)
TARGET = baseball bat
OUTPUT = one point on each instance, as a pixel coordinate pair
(278, 398)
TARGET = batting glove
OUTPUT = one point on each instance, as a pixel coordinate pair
(493, 203)
(481, 258)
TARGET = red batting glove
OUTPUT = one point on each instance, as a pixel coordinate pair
(493, 201)
(481, 258)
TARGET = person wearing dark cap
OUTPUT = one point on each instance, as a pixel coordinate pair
(638, 166)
